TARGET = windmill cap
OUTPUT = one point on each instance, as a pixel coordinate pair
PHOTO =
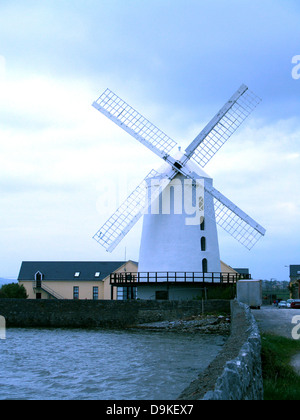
(191, 166)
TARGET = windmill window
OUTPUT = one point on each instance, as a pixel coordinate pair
(203, 243)
(204, 265)
(202, 223)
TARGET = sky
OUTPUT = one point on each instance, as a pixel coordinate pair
(64, 167)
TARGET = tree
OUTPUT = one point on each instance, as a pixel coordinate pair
(13, 291)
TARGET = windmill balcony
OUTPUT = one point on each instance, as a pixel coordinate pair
(136, 279)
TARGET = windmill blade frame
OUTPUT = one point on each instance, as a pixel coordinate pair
(131, 210)
(201, 150)
(222, 126)
(235, 221)
(130, 120)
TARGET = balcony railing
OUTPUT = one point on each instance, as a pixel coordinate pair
(136, 279)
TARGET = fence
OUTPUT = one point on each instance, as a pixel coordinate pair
(134, 279)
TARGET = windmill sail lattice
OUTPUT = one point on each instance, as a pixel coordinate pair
(222, 126)
(227, 215)
(134, 123)
(234, 221)
(131, 210)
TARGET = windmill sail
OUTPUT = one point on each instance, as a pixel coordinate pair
(222, 126)
(131, 210)
(134, 123)
(201, 150)
(234, 221)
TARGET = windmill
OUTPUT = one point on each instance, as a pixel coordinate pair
(168, 242)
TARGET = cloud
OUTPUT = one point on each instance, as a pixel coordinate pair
(2, 68)
(63, 177)
(259, 168)
(59, 158)
(177, 64)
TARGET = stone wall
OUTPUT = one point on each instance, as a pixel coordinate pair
(236, 374)
(101, 313)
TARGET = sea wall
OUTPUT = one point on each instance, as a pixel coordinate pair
(236, 374)
(102, 313)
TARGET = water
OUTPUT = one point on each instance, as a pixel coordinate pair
(99, 364)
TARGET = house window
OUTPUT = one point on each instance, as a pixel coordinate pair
(95, 292)
(202, 223)
(97, 274)
(203, 243)
(76, 292)
(126, 293)
(120, 293)
(77, 274)
(38, 279)
(130, 293)
(38, 275)
(204, 265)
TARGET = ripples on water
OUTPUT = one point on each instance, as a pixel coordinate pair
(99, 364)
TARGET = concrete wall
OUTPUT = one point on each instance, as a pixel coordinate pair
(185, 291)
(175, 292)
(102, 313)
(236, 374)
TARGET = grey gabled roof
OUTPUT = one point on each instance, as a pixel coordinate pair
(65, 270)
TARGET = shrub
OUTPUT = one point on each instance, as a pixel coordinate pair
(13, 291)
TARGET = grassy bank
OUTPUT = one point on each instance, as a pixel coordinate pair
(280, 380)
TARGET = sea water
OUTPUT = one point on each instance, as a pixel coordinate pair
(77, 364)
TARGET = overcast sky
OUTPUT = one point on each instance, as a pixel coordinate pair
(64, 167)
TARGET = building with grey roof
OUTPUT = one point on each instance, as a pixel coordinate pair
(71, 279)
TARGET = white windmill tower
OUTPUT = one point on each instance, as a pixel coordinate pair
(172, 241)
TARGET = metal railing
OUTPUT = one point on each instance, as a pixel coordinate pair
(135, 279)
(40, 285)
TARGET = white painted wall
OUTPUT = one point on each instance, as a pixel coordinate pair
(179, 292)
(168, 243)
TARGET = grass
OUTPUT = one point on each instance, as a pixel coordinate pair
(280, 380)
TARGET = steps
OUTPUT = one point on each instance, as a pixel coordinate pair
(52, 293)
